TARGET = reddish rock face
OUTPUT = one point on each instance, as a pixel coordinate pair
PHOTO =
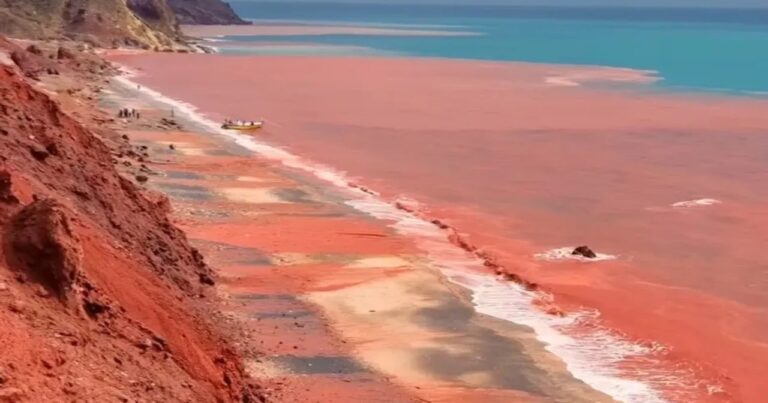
(63, 158)
(73, 230)
(42, 244)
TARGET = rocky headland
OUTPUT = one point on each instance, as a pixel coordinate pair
(147, 24)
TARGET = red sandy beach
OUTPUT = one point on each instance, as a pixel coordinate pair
(523, 163)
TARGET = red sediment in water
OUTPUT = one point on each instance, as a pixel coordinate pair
(521, 163)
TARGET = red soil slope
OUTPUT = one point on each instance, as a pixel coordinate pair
(101, 297)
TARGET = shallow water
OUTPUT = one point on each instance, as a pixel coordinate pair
(693, 49)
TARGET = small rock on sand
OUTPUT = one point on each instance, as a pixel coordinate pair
(584, 251)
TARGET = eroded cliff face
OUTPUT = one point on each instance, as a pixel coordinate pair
(205, 12)
(137, 23)
(101, 297)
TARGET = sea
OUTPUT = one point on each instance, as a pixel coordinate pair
(693, 49)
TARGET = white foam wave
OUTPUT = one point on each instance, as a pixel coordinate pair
(561, 81)
(359, 24)
(592, 357)
(5, 59)
(566, 253)
(696, 203)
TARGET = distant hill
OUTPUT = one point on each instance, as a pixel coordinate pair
(205, 12)
(135, 23)
(138, 23)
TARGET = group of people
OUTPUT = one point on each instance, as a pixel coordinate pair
(128, 113)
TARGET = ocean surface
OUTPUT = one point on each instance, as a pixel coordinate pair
(529, 132)
(692, 49)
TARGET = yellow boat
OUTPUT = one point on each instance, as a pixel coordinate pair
(246, 126)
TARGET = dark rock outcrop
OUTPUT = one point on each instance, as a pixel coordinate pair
(584, 251)
(205, 12)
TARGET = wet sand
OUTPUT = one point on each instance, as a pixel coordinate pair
(526, 158)
(294, 258)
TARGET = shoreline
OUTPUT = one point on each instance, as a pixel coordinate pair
(386, 211)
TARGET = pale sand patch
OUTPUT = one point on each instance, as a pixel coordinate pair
(186, 149)
(191, 151)
(609, 74)
(249, 179)
(379, 316)
(476, 378)
(251, 195)
(265, 369)
(413, 327)
(379, 262)
(291, 259)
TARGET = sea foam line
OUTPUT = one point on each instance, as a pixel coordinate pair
(592, 357)
(696, 203)
(566, 253)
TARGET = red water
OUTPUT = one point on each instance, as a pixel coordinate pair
(522, 167)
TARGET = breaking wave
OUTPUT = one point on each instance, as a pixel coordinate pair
(696, 203)
(565, 253)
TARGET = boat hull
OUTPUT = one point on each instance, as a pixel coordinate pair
(255, 126)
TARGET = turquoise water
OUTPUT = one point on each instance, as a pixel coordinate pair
(692, 49)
